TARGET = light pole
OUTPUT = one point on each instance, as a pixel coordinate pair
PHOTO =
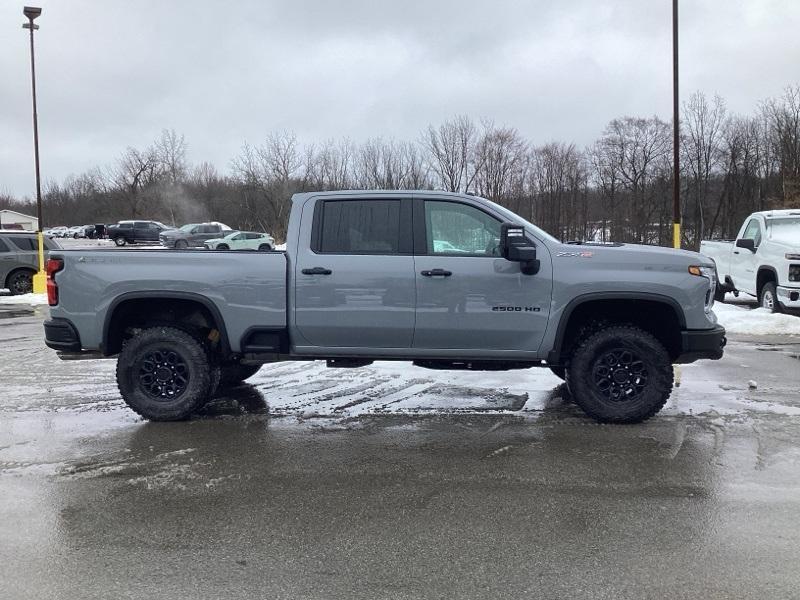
(676, 135)
(40, 279)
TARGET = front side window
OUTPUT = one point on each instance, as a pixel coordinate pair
(753, 232)
(459, 229)
(360, 227)
(3, 246)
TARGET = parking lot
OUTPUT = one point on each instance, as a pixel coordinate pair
(397, 482)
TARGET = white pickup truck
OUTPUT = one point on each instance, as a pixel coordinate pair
(763, 261)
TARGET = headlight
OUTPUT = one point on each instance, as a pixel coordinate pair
(709, 273)
(794, 272)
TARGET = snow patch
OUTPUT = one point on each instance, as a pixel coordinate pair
(30, 299)
(760, 321)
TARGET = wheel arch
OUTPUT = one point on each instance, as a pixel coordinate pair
(184, 309)
(665, 319)
(764, 275)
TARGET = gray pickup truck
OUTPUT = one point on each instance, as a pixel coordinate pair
(448, 281)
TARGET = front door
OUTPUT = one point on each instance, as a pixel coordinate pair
(354, 284)
(744, 262)
(468, 297)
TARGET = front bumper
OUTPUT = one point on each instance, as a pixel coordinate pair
(697, 344)
(788, 297)
(60, 334)
(166, 242)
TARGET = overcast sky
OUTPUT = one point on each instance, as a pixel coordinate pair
(113, 74)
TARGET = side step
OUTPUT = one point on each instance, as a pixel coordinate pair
(347, 363)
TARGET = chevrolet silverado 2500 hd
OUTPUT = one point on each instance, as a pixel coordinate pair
(444, 280)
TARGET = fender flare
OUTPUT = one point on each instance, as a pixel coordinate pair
(554, 356)
(169, 295)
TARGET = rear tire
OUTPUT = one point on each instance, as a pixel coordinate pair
(21, 282)
(620, 374)
(769, 298)
(119, 241)
(164, 374)
(265, 248)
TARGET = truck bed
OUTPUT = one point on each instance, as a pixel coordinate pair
(247, 288)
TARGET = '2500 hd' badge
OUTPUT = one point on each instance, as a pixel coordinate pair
(516, 309)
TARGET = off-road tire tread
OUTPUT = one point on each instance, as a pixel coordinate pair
(662, 375)
(200, 384)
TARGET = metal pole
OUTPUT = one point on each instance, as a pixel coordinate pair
(40, 278)
(676, 135)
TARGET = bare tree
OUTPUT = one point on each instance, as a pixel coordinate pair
(450, 149)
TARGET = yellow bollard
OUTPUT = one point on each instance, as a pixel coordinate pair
(40, 278)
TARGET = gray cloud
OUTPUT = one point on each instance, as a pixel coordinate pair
(113, 74)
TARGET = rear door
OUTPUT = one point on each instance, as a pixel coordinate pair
(203, 233)
(468, 296)
(354, 282)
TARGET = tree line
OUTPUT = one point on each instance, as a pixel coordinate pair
(618, 188)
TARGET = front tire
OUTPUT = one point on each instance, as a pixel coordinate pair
(164, 374)
(769, 298)
(620, 374)
(181, 245)
(559, 372)
(223, 247)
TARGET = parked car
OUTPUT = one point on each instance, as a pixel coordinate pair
(242, 240)
(78, 231)
(56, 231)
(132, 232)
(192, 235)
(19, 259)
(763, 261)
(361, 280)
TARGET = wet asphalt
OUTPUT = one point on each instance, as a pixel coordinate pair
(304, 494)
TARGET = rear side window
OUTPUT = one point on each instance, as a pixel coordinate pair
(360, 227)
(25, 243)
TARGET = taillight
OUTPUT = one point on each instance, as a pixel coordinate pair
(53, 266)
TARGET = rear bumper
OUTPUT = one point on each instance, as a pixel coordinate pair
(60, 334)
(700, 344)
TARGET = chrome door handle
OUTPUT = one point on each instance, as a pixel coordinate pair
(436, 273)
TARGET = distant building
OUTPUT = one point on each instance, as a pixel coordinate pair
(11, 219)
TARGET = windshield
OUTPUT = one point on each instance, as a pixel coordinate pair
(187, 228)
(784, 230)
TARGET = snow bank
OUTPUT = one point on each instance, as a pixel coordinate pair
(31, 299)
(760, 321)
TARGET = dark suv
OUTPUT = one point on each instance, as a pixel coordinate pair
(132, 232)
(19, 260)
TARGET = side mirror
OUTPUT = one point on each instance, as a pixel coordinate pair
(745, 243)
(516, 248)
